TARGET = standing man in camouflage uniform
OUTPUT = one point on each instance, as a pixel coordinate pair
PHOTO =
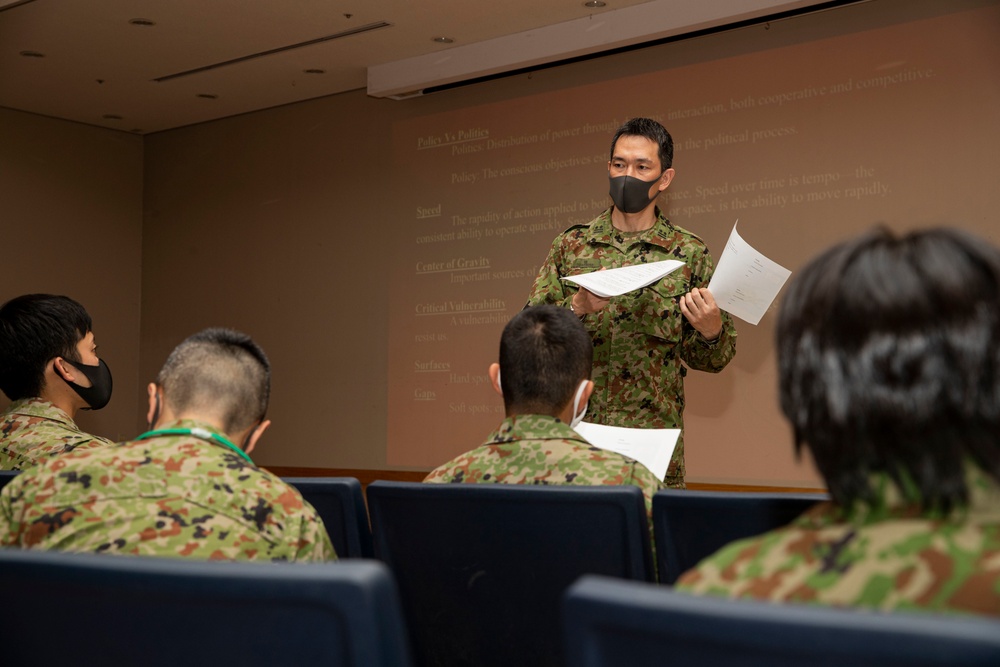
(545, 362)
(49, 368)
(889, 372)
(641, 338)
(183, 489)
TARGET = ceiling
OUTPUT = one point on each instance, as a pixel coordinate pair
(147, 65)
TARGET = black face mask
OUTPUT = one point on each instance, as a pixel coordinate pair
(631, 194)
(98, 393)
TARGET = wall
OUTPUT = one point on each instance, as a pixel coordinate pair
(270, 223)
(279, 222)
(72, 224)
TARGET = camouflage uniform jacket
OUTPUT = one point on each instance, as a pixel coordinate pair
(889, 557)
(172, 495)
(538, 449)
(32, 430)
(640, 338)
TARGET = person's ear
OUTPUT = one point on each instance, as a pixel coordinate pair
(255, 435)
(64, 369)
(587, 391)
(494, 372)
(154, 404)
(665, 179)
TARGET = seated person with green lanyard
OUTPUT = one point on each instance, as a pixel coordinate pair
(183, 489)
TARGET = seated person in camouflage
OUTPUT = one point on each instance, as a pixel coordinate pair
(889, 372)
(545, 361)
(183, 489)
(49, 369)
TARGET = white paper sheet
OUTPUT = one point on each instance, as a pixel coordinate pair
(614, 282)
(651, 447)
(746, 282)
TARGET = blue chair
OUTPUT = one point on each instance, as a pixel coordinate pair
(482, 568)
(89, 609)
(691, 525)
(611, 622)
(340, 502)
(6, 476)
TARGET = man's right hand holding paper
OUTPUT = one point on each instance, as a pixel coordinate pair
(585, 302)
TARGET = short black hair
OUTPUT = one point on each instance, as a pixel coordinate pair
(544, 355)
(34, 330)
(889, 364)
(649, 128)
(222, 371)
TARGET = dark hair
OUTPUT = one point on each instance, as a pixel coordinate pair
(222, 371)
(544, 355)
(35, 329)
(889, 364)
(646, 127)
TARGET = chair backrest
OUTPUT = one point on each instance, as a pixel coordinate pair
(6, 476)
(482, 568)
(90, 609)
(612, 622)
(340, 502)
(691, 525)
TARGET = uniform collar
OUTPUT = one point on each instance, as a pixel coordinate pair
(662, 232)
(39, 407)
(891, 503)
(533, 427)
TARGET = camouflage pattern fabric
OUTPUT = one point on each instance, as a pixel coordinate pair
(640, 338)
(175, 496)
(538, 449)
(32, 430)
(885, 557)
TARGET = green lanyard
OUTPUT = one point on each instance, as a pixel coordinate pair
(204, 434)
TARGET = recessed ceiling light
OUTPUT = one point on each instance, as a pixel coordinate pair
(207, 96)
(314, 71)
(32, 54)
(142, 22)
(444, 40)
(112, 116)
(594, 3)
